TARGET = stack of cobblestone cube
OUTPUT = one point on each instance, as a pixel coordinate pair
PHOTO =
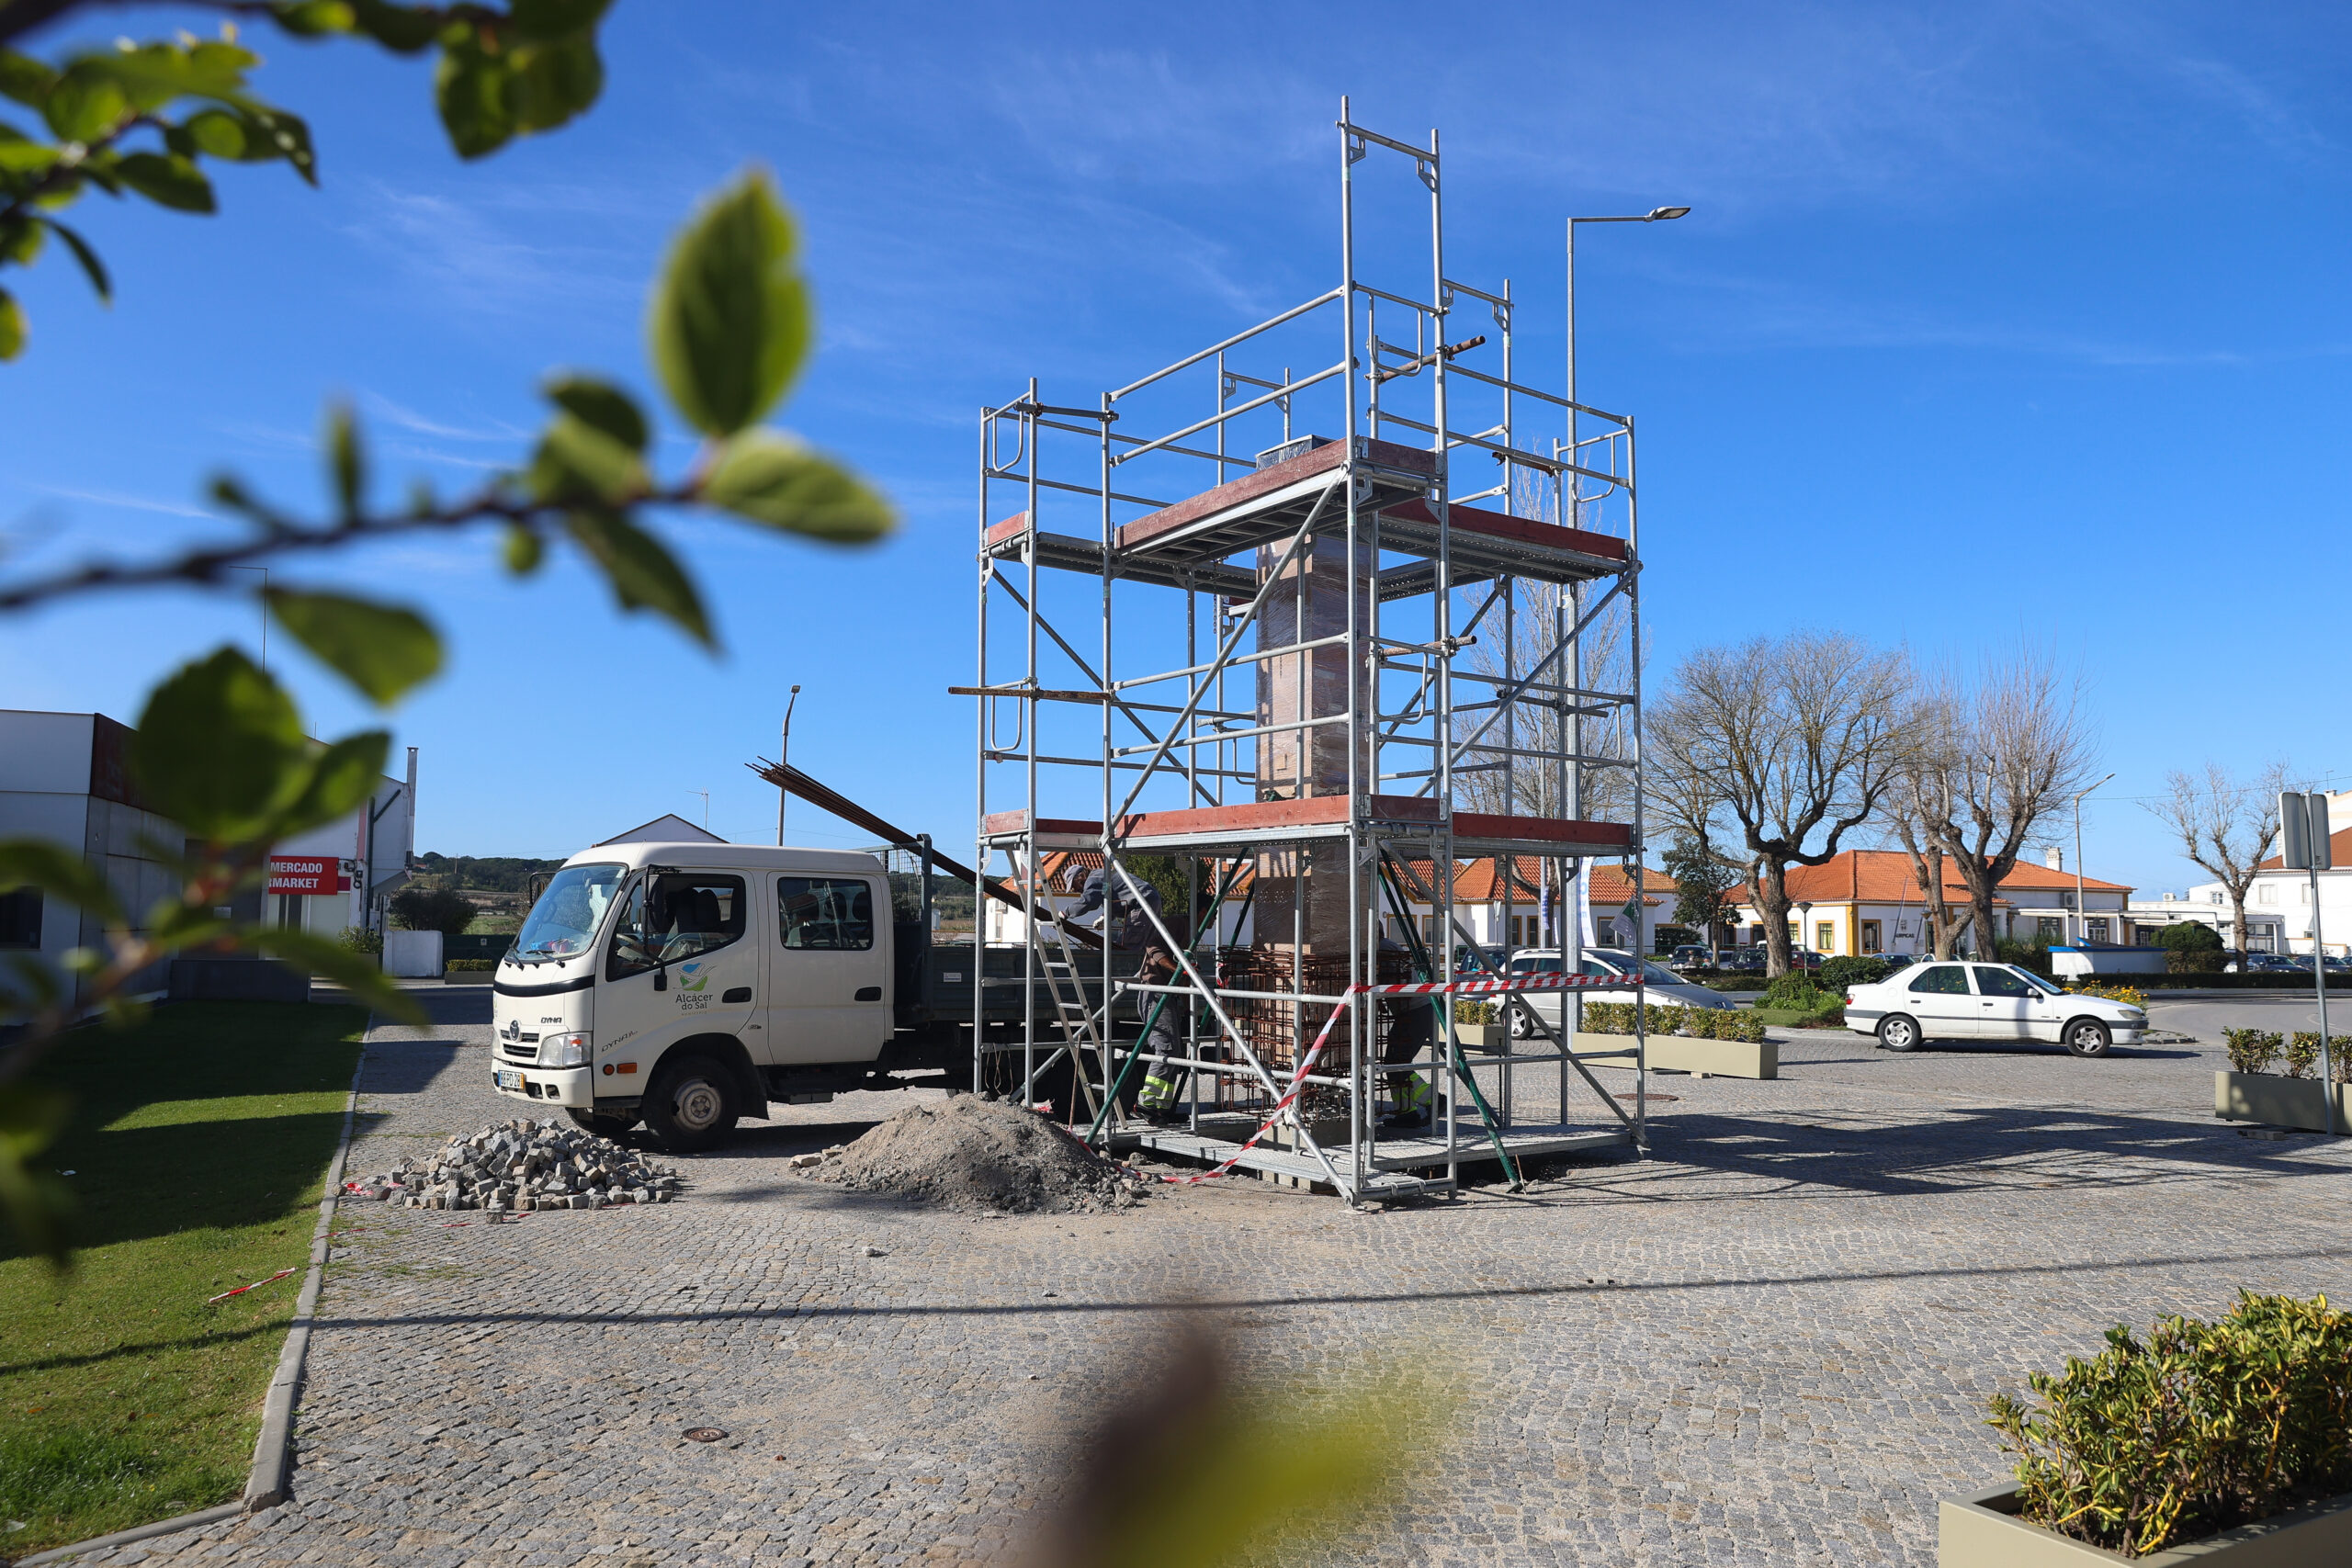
(520, 1166)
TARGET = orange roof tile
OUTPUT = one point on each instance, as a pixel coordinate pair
(1886, 876)
(2339, 849)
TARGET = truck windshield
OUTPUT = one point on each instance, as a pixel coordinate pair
(564, 921)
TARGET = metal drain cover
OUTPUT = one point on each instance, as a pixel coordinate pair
(704, 1434)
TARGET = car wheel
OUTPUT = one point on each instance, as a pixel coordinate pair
(603, 1126)
(690, 1105)
(2086, 1037)
(1521, 1026)
(1899, 1032)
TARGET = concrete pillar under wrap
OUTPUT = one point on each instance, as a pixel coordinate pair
(1288, 769)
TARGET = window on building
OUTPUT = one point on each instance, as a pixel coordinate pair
(2266, 894)
(1824, 936)
(1605, 931)
(2050, 928)
(2094, 928)
(21, 917)
(1870, 936)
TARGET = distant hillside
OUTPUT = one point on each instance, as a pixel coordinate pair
(482, 873)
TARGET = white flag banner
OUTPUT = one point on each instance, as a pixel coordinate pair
(1584, 903)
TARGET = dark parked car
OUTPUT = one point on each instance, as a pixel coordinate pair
(1690, 955)
(1743, 960)
(1895, 961)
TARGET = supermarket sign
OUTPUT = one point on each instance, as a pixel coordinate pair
(306, 874)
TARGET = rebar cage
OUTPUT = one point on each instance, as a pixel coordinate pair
(1368, 519)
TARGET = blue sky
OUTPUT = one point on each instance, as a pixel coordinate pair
(1991, 321)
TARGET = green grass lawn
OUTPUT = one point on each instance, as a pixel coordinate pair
(199, 1143)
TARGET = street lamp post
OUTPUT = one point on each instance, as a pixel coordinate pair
(783, 756)
(2081, 923)
(1567, 602)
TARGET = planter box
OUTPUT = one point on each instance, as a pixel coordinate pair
(2278, 1102)
(1479, 1036)
(1724, 1058)
(1984, 1531)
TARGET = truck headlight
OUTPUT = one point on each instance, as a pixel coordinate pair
(563, 1050)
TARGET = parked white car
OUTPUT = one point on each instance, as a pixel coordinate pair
(1988, 1002)
(1660, 985)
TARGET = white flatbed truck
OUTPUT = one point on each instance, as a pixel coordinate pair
(687, 986)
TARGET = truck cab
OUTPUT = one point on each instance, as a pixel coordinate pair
(687, 986)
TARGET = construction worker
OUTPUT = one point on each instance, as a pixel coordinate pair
(1123, 922)
(1412, 1029)
(1163, 1077)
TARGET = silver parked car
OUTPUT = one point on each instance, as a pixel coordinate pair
(1988, 1002)
(1660, 984)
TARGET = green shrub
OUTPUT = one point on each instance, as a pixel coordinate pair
(2187, 937)
(2195, 960)
(2033, 955)
(2251, 1050)
(2302, 1054)
(1466, 1011)
(1701, 1022)
(359, 938)
(433, 909)
(1742, 1025)
(469, 965)
(2195, 1430)
(1837, 973)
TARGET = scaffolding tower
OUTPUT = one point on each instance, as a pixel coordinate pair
(1315, 686)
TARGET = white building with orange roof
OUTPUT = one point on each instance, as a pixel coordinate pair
(1870, 901)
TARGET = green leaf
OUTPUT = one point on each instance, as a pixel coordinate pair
(761, 476)
(576, 461)
(59, 873)
(20, 154)
(312, 19)
(556, 80)
(731, 319)
(554, 18)
(220, 134)
(24, 79)
(12, 326)
(601, 405)
(91, 266)
(40, 1208)
(475, 93)
(403, 30)
(345, 459)
(84, 105)
(342, 777)
(220, 749)
(167, 180)
(355, 972)
(524, 551)
(20, 241)
(643, 573)
(380, 649)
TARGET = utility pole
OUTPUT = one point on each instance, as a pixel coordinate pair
(2081, 922)
(783, 757)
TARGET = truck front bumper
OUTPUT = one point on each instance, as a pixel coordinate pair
(548, 1086)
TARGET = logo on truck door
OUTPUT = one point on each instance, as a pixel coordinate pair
(694, 977)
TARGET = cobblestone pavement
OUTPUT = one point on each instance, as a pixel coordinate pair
(1770, 1344)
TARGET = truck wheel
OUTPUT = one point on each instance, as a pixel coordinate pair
(603, 1126)
(1898, 1032)
(690, 1106)
(2087, 1037)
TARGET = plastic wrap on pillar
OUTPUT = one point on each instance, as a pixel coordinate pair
(1294, 763)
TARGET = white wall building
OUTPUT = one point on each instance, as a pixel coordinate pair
(66, 777)
(2278, 906)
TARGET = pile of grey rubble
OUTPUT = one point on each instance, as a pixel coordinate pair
(978, 1152)
(520, 1166)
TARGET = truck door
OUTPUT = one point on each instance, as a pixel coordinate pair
(677, 964)
(827, 970)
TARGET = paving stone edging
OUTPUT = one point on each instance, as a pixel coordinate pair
(266, 1485)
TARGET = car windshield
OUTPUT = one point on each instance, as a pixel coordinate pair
(564, 921)
(2046, 987)
(1652, 974)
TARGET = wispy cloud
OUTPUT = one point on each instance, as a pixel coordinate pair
(127, 501)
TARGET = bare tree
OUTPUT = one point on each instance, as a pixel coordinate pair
(2226, 825)
(1922, 795)
(1795, 740)
(2020, 748)
(1505, 768)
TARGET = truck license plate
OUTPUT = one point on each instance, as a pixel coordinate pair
(510, 1080)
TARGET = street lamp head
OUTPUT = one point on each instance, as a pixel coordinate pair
(1658, 212)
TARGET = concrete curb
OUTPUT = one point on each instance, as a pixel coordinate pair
(274, 1450)
(137, 1532)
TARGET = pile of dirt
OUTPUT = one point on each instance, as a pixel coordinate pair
(976, 1152)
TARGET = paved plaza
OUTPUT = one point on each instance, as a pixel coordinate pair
(1771, 1343)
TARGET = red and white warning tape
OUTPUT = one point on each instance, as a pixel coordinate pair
(1297, 1082)
(240, 1290)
